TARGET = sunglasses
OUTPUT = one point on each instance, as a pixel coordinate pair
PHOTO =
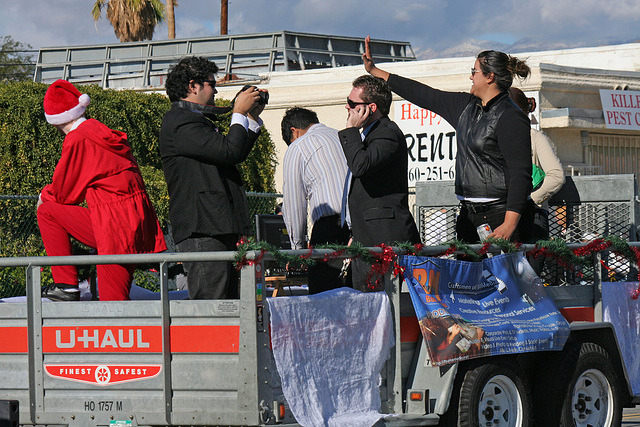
(474, 71)
(352, 104)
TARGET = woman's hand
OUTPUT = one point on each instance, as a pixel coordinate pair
(369, 65)
(366, 57)
(507, 228)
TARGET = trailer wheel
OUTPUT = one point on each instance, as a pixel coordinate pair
(555, 372)
(594, 395)
(495, 394)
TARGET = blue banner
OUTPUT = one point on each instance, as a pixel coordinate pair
(474, 309)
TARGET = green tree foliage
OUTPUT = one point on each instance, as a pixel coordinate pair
(132, 20)
(30, 149)
(16, 62)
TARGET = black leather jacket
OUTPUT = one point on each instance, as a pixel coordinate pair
(481, 170)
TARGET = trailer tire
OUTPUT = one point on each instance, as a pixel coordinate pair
(594, 395)
(552, 379)
(496, 390)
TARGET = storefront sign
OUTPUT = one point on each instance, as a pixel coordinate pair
(431, 143)
(621, 109)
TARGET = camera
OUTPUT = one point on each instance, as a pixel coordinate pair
(264, 96)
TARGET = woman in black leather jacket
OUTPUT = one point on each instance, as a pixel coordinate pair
(493, 161)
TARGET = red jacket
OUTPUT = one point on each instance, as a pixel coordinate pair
(97, 166)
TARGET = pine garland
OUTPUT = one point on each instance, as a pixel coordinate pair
(554, 248)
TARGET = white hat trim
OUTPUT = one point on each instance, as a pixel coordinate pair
(69, 115)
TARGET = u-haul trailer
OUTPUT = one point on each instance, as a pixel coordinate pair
(208, 363)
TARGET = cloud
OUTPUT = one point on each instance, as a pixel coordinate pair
(588, 12)
(433, 27)
(406, 13)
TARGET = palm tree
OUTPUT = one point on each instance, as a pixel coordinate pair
(171, 20)
(132, 20)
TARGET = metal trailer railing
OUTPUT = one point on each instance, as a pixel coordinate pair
(217, 389)
(20, 236)
(181, 389)
(241, 57)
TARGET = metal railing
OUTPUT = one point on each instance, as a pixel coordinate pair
(20, 237)
(35, 264)
(574, 220)
(240, 57)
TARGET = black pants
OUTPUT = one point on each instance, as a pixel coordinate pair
(211, 280)
(473, 215)
(322, 276)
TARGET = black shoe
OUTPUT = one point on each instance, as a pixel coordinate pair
(61, 292)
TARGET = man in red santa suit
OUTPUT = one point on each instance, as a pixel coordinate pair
(97, 166)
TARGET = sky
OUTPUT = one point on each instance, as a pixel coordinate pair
(435, 28)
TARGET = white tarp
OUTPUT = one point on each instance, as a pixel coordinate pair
(329, 349)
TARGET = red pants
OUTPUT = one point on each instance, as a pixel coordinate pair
(58, 223)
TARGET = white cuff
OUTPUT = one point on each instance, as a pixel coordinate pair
(240, 119)
(255, 126)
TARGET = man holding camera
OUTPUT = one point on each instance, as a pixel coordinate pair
(207, 203)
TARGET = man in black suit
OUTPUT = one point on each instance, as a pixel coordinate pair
(207, 203)
(378, 188)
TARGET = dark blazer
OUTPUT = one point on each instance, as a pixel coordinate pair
(206, 195)
(378, 198)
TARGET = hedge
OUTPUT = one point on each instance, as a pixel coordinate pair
(30, 149)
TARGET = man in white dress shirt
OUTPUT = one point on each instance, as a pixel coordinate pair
(314, 174)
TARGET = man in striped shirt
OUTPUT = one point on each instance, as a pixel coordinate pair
(314, 175)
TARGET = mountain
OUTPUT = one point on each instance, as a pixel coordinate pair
(472, 47)
(469, 47)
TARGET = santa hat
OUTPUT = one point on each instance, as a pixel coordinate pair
(64, 103)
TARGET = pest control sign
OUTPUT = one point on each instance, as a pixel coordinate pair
(621, 109)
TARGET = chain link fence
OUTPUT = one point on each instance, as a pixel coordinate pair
(585, 209)
(20, 236)
(571, 222)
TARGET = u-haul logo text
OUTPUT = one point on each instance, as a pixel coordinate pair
(102, 375)
(102, 339)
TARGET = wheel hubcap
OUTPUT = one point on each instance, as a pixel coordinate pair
(591, 400)
(500, 403)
